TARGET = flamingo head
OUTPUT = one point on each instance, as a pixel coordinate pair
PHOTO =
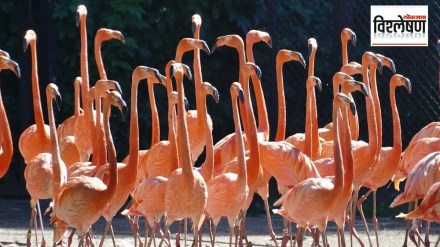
(386, 61)
(188, 44)
(254, 36)
(29, 37)
(352, 68)
(288, 55)
(342, 100)
(196, 22)
(237, 91)
(314, 81)
(370, 59)
(180, 68)
(400, 80)
(104, 34)
(312, 45)
(53, 94)
(353, 85)
(114, 98)
(4, 53)
(6, 63)
(348, 34)
(231, 40)
(81, 14)
(251, 68)
(209, 89)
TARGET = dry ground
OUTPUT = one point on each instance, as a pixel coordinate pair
(15, 213)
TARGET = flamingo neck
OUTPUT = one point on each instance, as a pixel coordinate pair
(254, 169)
(347, 155)
(371, 120)
(241, 61)
(344, 51)
(172, 134)
(375, 95)
(130, 170)
(198, 80)
(263, 120)
(38, 113)
(111, 187)
(6, 141)
(98, 58)
(77, 104)
(184, 154)
(337, 153)
(281, 125)
(397, 131)
(242, 173)
(101, 155)
(84, 67)
(56, 158)
(155, 126)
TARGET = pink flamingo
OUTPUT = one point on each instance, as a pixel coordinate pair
(186, 193)
(5, 131)
(89, 196)
(228, 192)
(309, 202)
(46, 172)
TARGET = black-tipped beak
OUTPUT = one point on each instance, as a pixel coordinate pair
(392, 66)
(258, 72)
(205, 48)
(163, 80)
(353, 108)
(310, 49)
(118, 87)
(187, 71)
(438, 46)
(241, 95)
(17, 70)
(159, 77)
(408, 85)
(77, 18)
(364, 89)
(215, 95)
(193, 28)
(353, 39)
(25, 44)
(122, 38)
(58, 101)
(319, 84)
(186, 104)
(379, 66)
(269, 42)
(124, 111)
(301, 60)
(214, 47)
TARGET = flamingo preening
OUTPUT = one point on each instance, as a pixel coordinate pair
(5, 131)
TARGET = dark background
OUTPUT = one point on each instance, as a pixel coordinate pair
(152, 30)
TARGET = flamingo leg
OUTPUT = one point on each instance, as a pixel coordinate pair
(43, 241)
(408, 225)
(269, 221)
(300, 236)
(147, 230)
(70, 238)
(375, 222)
(213, 235)
(185, 231)
(179, 228)
(208, 226)
(112, 233)
(104, 234)
(427, 242)
(195, 231)
(292, 242)
(31, 222)
(361, 212)
(231, 230)
(353, 231)
(237, 231)
(285, 233)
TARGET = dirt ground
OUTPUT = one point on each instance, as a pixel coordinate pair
(14, 218)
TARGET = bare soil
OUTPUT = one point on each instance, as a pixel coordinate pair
(15, 213)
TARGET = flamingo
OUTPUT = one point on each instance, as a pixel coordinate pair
(196, 134)
(308, 142)
(389, 156)
(68, 150)
(5, 131)
(228, 192)
(82, 200)
(83, 125)
(35, 139)
(326, 133)
(46, 172)
(186, 193)
(309, 202)
(149, 195)
(252, 37)
(127, 172)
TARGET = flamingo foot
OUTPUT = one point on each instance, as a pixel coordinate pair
(43, 243)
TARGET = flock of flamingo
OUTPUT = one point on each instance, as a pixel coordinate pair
(319, 173)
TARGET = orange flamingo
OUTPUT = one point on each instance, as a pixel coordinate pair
(389, 156)
(149, 195)
(84, 127)
(228, 192)
(252, 37)
(5, 131)
(326, 133)
(127, 172)
(35, 139)
(186, 193)
(68, 150)
(309, 201)
(196, 133)
(282, 57)
(46, 172)
(89, 196)
(308, 142)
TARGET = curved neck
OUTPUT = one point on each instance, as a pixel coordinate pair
(337, 153)
(101, 155)
(263, 120)
(56, 169)
(169, 81)
(38, 113)
(6, 141)
(254, 174)
(397, 131)
(371, 120)
(375, 96)
(184, 155)
(344, 51)
(281, 125)
(242, 174)
(155, 126)
(98, 58)
(84, 66)
(111, 187)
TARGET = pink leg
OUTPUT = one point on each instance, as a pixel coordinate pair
(269, 222)
(375, 222)
(427, 242)
(43, 241)
(361, 212)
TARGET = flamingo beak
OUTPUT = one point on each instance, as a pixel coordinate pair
(187, 71)
(353, 39)
(25, 44)
(77, 19)
(319, 84)
(58, 100)
(118, 87)
(408, 85)
(352, 108)
(241, 95)
(186, 104)
(205, 47)
(193, 28)
(215, 95)
(124, 111)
